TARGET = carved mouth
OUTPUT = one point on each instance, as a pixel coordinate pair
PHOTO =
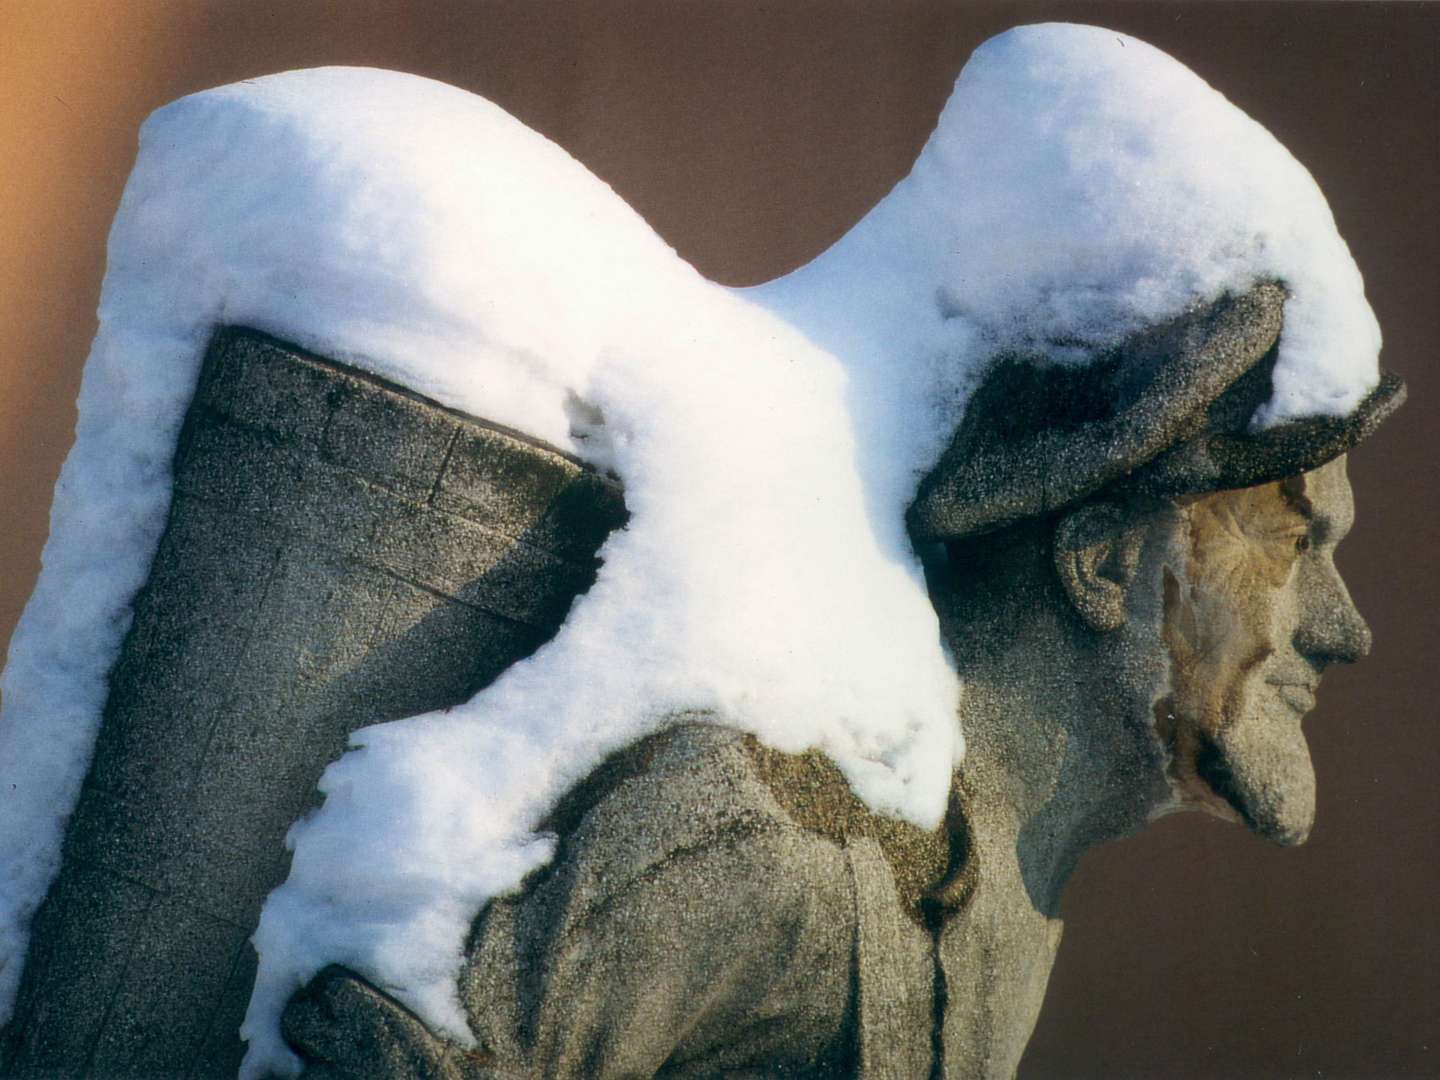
(1299, 696)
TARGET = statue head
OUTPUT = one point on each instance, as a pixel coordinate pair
(1151, 573)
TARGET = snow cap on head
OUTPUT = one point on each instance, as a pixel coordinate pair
(1103, 186)
(1124, 214)
(1082, 186)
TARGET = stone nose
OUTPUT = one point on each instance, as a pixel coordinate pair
(1331, 628)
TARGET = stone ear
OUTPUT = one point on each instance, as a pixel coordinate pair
(1097, 551)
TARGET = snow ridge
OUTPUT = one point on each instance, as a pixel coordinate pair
(422, 233)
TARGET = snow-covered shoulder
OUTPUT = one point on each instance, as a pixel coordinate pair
(422, 233)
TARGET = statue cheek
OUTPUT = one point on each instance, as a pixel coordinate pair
(1220, 628)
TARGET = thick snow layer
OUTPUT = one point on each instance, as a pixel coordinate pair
(1079, 185)
(422, 233)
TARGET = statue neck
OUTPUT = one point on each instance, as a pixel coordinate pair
(1060, 754)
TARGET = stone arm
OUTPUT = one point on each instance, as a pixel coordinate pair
(345, 1029)
(686, 928)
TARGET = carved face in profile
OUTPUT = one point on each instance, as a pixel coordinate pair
(1251, 621)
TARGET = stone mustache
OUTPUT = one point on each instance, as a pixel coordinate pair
(1139, 594)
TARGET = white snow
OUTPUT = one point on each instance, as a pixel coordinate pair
(422, 233)
(1079, 184)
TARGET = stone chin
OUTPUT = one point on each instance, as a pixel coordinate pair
(1256, 772)
(1263, 772)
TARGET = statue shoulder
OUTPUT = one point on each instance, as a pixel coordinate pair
(693, 787)
(682, 908)
(698, 893)
(698, 786)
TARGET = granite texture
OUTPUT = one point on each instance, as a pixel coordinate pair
(689, 926)
(339, 552)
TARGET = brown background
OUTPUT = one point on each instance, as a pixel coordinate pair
(751, 135)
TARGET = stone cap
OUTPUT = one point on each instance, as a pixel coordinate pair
(1165, 413)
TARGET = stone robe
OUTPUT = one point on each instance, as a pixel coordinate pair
(715, 908)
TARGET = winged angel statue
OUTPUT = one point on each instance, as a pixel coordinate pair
(731, 679)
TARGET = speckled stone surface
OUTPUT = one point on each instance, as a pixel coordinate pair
(339, 552)
(690, 926)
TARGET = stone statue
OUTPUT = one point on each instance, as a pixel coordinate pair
(1137, 590)
(1140, 598)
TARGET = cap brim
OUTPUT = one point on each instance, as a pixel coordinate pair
(1167, 412)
